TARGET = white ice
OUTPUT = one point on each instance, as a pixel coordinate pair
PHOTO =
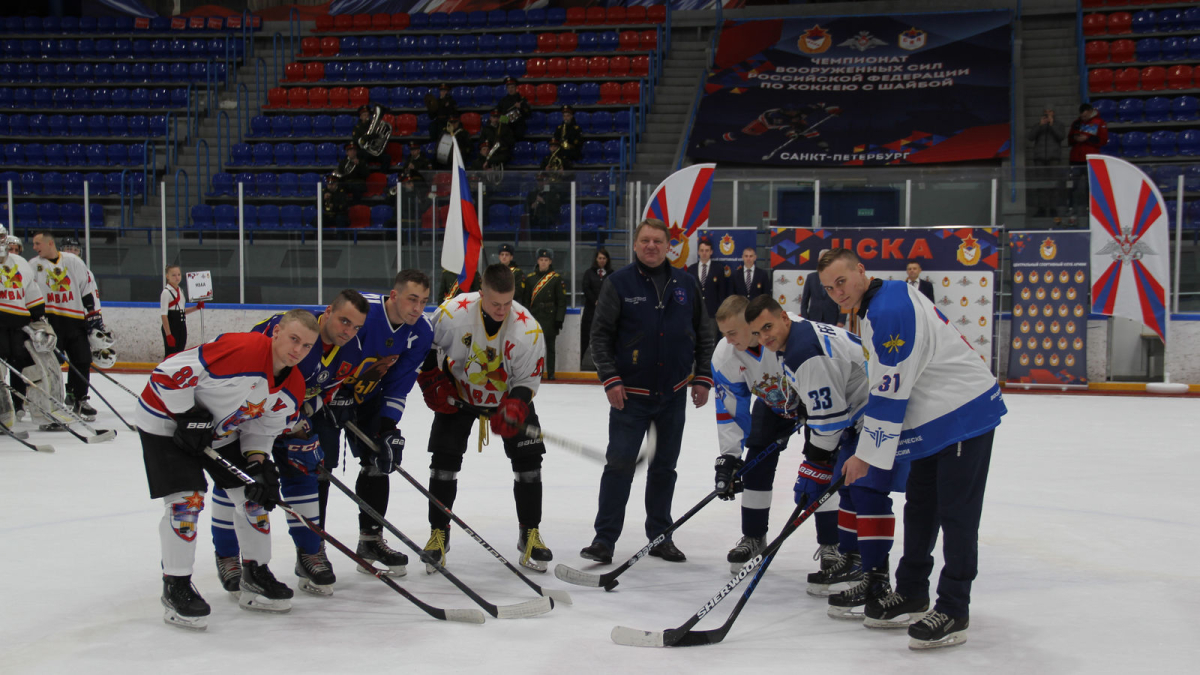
(1088, 554)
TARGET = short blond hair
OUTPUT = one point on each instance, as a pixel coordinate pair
(833, 255)
(734, 305)
(304, 316)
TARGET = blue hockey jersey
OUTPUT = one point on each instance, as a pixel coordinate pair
(322, 370)
(388, 358)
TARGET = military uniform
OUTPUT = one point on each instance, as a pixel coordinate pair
(570, 137)
(449, 288)
(546, 297)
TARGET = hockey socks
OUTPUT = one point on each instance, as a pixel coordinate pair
(866, 524)
(240, 527)
(527, 494)
(177, 532)
(300, 490)
(224, 538)
(443, 484)
(827, 527)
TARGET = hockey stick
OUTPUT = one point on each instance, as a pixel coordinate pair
(36, 448)
(535, 432)
(608, 580)
(66, 422)
(91, 386)
(805, 134)
(461, 615)
(96, 437)
(518, 611)
(110, 378)
(558, 596)
(684, 636)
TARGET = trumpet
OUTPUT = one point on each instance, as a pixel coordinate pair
(375, 141)
(555, 162)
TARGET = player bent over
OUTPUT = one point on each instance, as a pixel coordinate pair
(298, 454)
(745, 371)
(489, 351)
(235, 394)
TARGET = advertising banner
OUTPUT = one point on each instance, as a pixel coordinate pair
(1050, 308)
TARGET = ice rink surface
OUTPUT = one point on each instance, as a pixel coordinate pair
(1088, 553)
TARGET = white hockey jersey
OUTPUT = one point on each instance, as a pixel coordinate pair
(484, 366)
(20, 289)
(64, 284)
(738, 377)
(928, 387)
(826, 367)
(232, 378)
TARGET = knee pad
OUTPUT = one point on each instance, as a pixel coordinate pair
(528, 464)
(451, 462)
(534, 476)
(183, 511)
(443, 474)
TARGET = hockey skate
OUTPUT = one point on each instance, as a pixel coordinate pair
(744, 551)
(229, 571)
(839, 569)
(374, 549)
(937, 630)
(81, 408)
(316, 575)
(183, 604)
(534, 553)
(894, 611)
(848, 604)
(261, 591)
(437, 546)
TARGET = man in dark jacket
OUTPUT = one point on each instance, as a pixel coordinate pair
(1088, 134)
(749, 279)
(495, 144)
(650, 336)
(461, 136)
(506, 258)
(353, 172)
(515, 108)
(440, 108)
(570, 135)
(1046, 159)
(714, 285)
(448, 286)
(546, 298)
(913, 278)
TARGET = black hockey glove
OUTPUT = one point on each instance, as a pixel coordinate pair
(193, 430)
(726, 485)
(339, 410)
(265, 490)
(391, 451)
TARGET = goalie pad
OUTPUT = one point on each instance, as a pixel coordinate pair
(46, 375)
(42, 336)
(99, 339)
(8, 415)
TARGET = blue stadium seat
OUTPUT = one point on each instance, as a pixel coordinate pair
(4, 128)
(515, 68)
(454, 70)
(382, 216)
(523, 153)
(527, 43)
(475, 69)
(76, 154)
(393, 70)
(1134, 144)
(1188, 143)
(447, 44)
(408, 44)
(97, 154)
(1145, 21)
(589, 41)
(497, 218)
(322, 125)
(516, 18)
(477, 19)
(97, 125)
(537, 124)
(343, 125)
(291, 217)
(468, 44)
(281, 126)
(414, 70)
(14, 154)
(1169, 20)
(285, 154)
(222, 185)
(263, 155)
(119, 98)
(202, 216)
(568, 93)
(56, 154)
(118, 154)
(103, 72)
(497, 18)
(589, 93)
(35, 154)
(327, 154)
(556, 16)
(434, 69)
(612, 151)
(353, 71)
(335, 72)
(506, 43)
(372, 71)
(266, 185)
(139, 98)
(389, 44)
(241, 154)
(268, 217)
(138, 126)
(301, 125)
(535, 17)
(71, 214)
(1156, 109)
(1129, 110)
(439, 20)
(289, 185)
(1162, 143)
(305, 154)
(225, 216)
(400, 97)
(1167, 177)
(1174, 49)
(348, 46)
(31, 183)
(608, 41)
(1185, 108)
(368, 45)
(48, 214)
(489, 43)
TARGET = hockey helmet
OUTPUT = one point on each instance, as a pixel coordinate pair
(71, 245)
(101, 339)
(104, 358)
(14, 244)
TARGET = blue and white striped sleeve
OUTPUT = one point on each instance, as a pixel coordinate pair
(733, 413)
(893, 368)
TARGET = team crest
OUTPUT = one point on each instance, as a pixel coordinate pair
(862, 42)
(879, 436)
(466, 340)
(1041, 293)
(1048, 250)
(323, 377)
(945, 281)
(1033, 277)
(1070, 360)
(1062, 343)
(1047, 343)
(1018, 311)
(680, 296)
(1031, 343)
(964, 302)
(1018, 277)
(185, 515)
(1056, 293)
(1048, 310)
(1024, 359)
(1071, 293)
(1039, 360)
(1070, 326)
(1026, 293)
(1016, 343)
(726, 245)
(912, 39)
(813, 41)
(247, 411)
(983, 321)
(1024, 326)
(1054, 360)
(388, 343)
(1063, 277)
(1062, 310)
(1039, 327)
(1078, 310)
(258, 517)
(1079, 277)
(728, 271)
(1077, 344)
(343, 370)
(969, 252)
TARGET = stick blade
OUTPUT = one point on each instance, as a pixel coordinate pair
(695, 638)
(464, 615)
(102, 436)
(634, 637)
(524, 610)
(574, 576)
(559, 597)
(42, 447)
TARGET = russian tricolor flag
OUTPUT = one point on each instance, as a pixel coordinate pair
(464, 237)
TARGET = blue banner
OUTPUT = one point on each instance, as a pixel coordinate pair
(862, 90)
(1050, 288)
(728, 244)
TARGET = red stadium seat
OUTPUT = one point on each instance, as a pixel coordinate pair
(576, 16)
(546, 94)
(276, 97)
(343, 23)
(428, 216)
(1095, 3)
(381, 22)
(527, 90)
(547, 42)
(595, 16)
(360, 215)
(441, 184)
(615, 16)
(649, 40)
(629, 41)
(635, 15)
(359, 96)
(535, 68)
(297, 97)
(472, 123)
(1095, 24)
(324, 23)
(631, 92)
(293, 72)
(310, 46)
(330, 46)
(1179, 77)
(556, 67)
(639, 66)
(314, 72)
(618, 66)
(339, 97)
(656, 13)
(395, 152)
(362, 22)
(1122, 51)
(406, 124)
(318, 97)
(610, 93)
(376, 184)
(597, 66)
(568, 42)
(1154, 78)
(400, 21)
(577, 66)
(1096, 51)
(1127, 79)
(1120, 23)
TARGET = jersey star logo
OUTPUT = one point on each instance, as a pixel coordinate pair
(464, 303)
(894, 344)
(195, 501)
(880, 436)
(522, 317)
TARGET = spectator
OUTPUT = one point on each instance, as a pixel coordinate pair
(440, 109)
(1089, 133)
(815, 303)
(506, 258)
(495, 144)
(359, 135)
(336, 202)
(454, 129)
(913, 278)
(570, 135)
(544, 203)
(593, 280)
(1047, 138)
(748, 280)
(558, 159)
(412, 176)
(352, 174)
(644, 378)
(546, 298)
(173, 311)
(713, 278)
(515, 107)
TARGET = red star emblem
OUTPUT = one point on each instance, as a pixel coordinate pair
(815, 33)
(676, 232)
(255, 409)
(195, 501)
(969, 241)
(464, 303)
(522, 317)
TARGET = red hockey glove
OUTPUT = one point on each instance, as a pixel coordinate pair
(438, 390)
(509, 417)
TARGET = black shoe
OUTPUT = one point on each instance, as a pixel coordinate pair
(598, 552)
(938, 630)
(668, 551)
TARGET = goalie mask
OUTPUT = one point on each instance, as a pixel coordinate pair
(101, 339)
(104, 358)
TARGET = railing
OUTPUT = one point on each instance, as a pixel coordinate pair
(224, 144)
(200, 177)
(1081, 57)
(150, 161)
(187, 186)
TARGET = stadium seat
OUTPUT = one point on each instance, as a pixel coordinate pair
(1185, 109)
(1144, 21)
(629, 41)
(1154, 78)
(535, 68)
(1174, 49)
(1127, 79)
(1120, 23)
(615, 15)
(328, 154)
(310, 46)
(1129, 110)
(263, 154)
(546, 94)
(225, 216)
(294, 72)
(577, 66)
(202, 216)
(610, 93)
(1189, 145)
(1134, 144)
(1123, 51)
(360, 216)
(1168, 21)
(277, 97)
(330, 46)
(639, 66)
(589, 93)
(631, 92)
(601, 122)
(1179, 77)
(568, 42)
(268, 217)
(556, 67)
(382, 216)
(597, 66)
(1162, 144)
(648, 40)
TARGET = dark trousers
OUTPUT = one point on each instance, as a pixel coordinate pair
(765, 428)
(73, 340)
(585, 331)
(178, 323)
(945, 491)
(372, 487)
(626, 429)
(551, 337)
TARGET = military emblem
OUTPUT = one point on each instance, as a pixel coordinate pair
(388, 343)
(1079, 277)
(1018, 277)
(983, 301)
(1041, 293)
(1063, 277)
(964, 282)
(185, 515)
(983, 321)
(1048, 249)
(1032, 310)
(1047, 343)
(862, 42)
(1056, 293)
(1039, 360)
(1039, 327)
(945, 281)
(1071, 293)
(983, 282)
(799, 279)
(1078, 310)
(894, 344)
(726, 245)
(1026, 293)
(969, 252)
(1077, 344)
(1070, 360)
(1016, 343)
(1070, 326)
(945, 301)
(813, 41)
(1033, 277)
(782, 299)
(1062, 310)
(1032, 343)
(1062, 343)
(1024, 359)
(963, 321)
(1018, 311)
(1055, 327)
(912, 39)
(1048, 309)
(466, 340)
(1054, 360)
(982, 340)
(964, 302)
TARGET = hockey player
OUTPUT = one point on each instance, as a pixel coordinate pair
(174, 312)
(755, 407)
(489, 352)
(299, 454)
(22, 322)
(393, 343)
(235, 394)
(934, 406)
(73, 311)
(825, 366)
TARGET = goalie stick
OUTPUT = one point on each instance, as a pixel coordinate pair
(112, 379)
(558, 596)
(17, 437)
(460, 615)
(65, 421)
(684, 636)
(517, 611)
(62, 355)
(608, 580)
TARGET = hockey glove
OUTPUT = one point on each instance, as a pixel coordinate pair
(96, 322)
(42, 336)
(726, 484)
(438, 391)
(390, 451)
(302, 452)
(193, 431)
(339, 410)
(170, 340)
(265, 489)
(509, 417)
(812, 480)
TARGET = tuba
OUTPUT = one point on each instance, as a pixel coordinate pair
(555, 161)
(379, 132)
